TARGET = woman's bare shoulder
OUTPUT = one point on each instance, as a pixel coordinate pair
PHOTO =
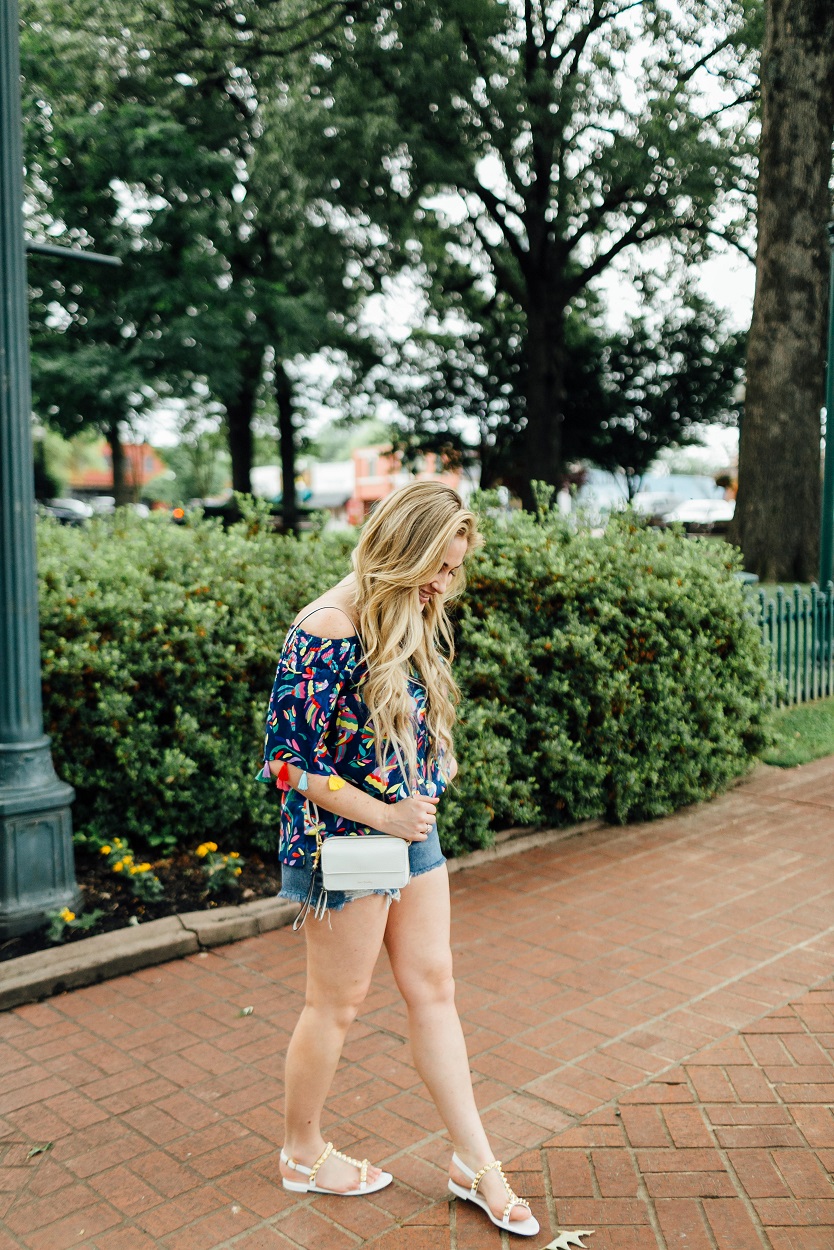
(327, 617)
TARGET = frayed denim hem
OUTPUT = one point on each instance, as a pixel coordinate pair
(328, 901)
(341, 897)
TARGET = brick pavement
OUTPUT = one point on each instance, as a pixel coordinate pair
(667, 1079)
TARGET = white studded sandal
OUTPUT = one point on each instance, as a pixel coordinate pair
(525, 1228)
(310, 1187)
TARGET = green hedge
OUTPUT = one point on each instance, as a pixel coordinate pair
(619, 676)
(616, 676)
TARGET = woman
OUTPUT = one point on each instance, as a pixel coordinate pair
(359, 737)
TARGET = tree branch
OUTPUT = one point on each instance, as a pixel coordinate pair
(636, 233)
(515, 289)
(493, 205)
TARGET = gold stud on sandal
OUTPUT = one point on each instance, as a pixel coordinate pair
(524, 1228)
(310, 1187)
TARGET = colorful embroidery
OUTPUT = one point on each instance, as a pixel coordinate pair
(318, 721)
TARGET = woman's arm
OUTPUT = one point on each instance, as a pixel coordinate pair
(405, 819)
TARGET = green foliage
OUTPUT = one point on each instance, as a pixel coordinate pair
(56, 929)
(624, 671)
(159, 647)
(221, 871)
(535, 147)
(618, 676)
(802, 733)
(178, 141)
(140, 877)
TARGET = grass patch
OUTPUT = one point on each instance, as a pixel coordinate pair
(805, 732)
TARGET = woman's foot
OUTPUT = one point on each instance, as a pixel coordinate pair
(491, 1187)
(335, 1173)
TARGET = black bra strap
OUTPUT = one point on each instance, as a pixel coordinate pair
(321, 609)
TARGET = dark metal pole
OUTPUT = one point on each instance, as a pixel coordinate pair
(71, 253)
(827, 524)
(37, 872)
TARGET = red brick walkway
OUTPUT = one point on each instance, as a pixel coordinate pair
(655, 1085)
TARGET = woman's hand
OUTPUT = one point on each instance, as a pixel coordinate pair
(410, 819)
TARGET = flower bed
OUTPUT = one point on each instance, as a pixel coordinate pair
(184, 888)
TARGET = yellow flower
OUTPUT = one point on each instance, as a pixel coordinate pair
(143, 868)
(234, 854)
(134, 868)
(67, 915)
(117, 867)
(212, 846)
(202, 850)
(238, 871)
(104, 850)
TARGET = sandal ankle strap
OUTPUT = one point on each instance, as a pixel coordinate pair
(291, 1163)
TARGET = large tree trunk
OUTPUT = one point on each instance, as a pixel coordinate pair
(541, 458)
(240, 409)
(121, 487)
(778, 506)
(283, 398)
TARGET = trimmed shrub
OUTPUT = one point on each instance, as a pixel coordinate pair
(622, 675)
(617, 676)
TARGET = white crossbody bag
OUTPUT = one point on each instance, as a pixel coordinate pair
(367, 862)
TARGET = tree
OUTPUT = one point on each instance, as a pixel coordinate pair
(537, 145)
(197, 170)
(116, 163)
(629, 393)
(777, 514)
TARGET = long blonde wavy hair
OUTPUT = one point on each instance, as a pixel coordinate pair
(402, 547)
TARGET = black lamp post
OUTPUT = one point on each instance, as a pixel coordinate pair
(37, 872)
(827, 526)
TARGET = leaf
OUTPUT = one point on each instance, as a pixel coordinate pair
(565, 1240)
(39, 1150)
(246, 1011)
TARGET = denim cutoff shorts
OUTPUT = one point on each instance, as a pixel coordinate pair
(295, 882)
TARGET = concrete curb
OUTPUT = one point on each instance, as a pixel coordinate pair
(44, 973)
(94, 959)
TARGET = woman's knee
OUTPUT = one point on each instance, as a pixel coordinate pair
(430, 982)
(338, 1010)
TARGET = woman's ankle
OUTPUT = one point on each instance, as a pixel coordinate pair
(304, 1149)
(474, 1160)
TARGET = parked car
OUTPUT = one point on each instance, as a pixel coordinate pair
(68, 511)
(703, 516)
(103, 505)
(660, 496)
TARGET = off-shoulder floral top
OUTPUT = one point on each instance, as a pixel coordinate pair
(318, 721)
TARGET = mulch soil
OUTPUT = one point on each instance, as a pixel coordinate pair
(185, 890)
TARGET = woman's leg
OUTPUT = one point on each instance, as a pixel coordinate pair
(417, 938)
(340, 964)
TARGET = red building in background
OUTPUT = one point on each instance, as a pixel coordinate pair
(378, 471)
(142, 466)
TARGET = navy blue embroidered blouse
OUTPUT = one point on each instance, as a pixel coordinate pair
(318, 721)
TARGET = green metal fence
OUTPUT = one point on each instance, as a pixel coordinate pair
(798, 628)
